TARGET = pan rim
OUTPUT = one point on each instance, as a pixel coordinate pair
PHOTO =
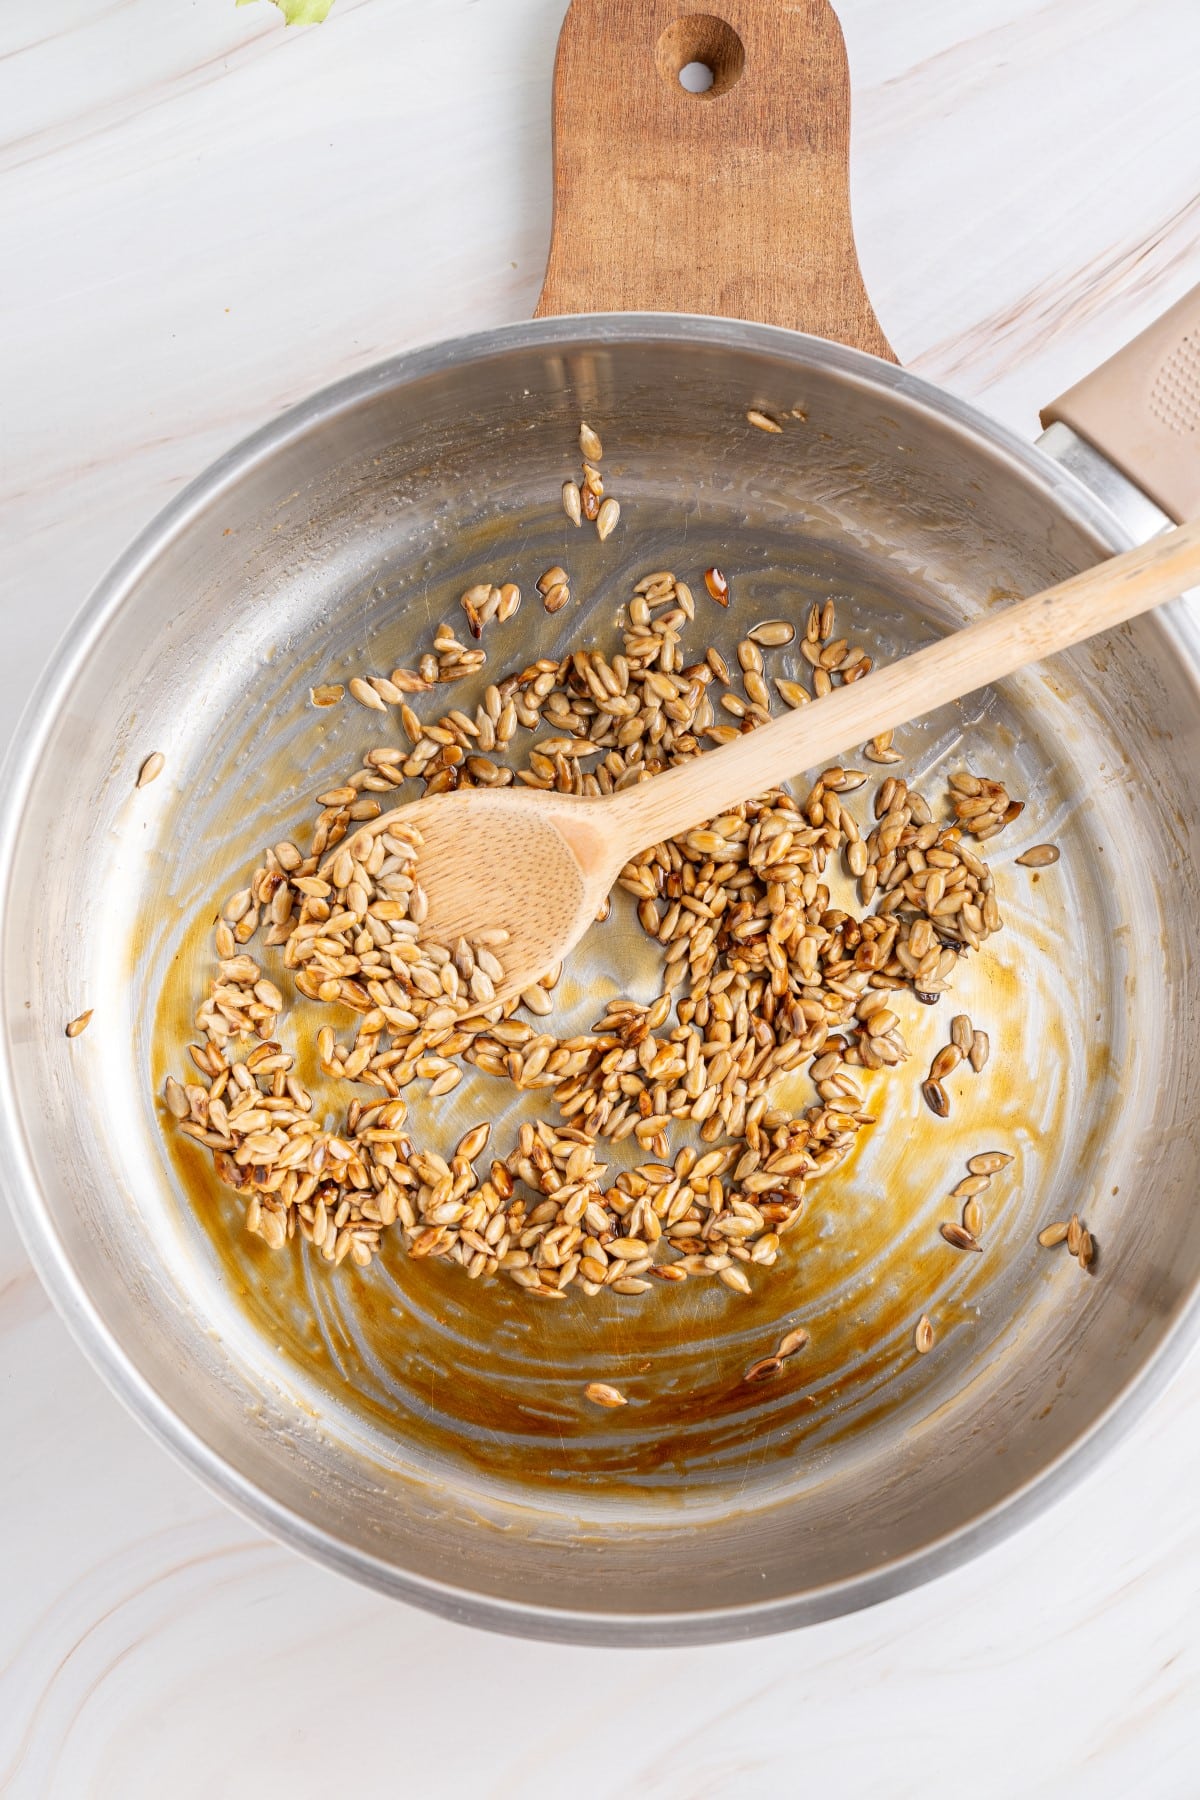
(19, 1178)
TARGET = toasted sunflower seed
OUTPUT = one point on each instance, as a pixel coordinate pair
(152, 766)
(772, 634)
(606, 518)
(763, 1371)
(589, 443)
(717, 585)
(79, 1024)
(601, 1394)
(988, 1162)
(1074, 1234)
(365, 694)
(959, 1236)
(792, 1341)
(762, 420)
(572, 502)
(962, 1033)
(1053, 1234)
(972, 1218)
(1040, 857)
(326, 693)
(979, 1051)
(936, 1098)
(923, 1336)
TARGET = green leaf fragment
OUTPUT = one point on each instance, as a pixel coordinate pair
(300, 12)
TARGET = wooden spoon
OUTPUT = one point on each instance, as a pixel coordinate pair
(539, 865)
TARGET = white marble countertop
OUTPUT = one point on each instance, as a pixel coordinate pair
(202, 217)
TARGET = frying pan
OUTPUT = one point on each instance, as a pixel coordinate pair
(427, 1434)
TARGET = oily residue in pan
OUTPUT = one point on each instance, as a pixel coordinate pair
(477, 1375)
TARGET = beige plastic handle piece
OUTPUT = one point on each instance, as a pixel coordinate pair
(1141, 409)
(733, 202)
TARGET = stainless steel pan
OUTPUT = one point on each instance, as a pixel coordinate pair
(426, 1434)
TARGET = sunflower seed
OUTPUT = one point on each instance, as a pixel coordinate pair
(936, 1098)
(152, 766)
(601, 1394)
(589, 444)
(606, 518)
(717, 586)
(959, 1236)
(365, 694)
(79, 1024)
(763, 1371)
(326, 693)
(923, 1336)
(980, 1050)
(772, 634)
(1074, 1234)
(988, 1162)
(762, 420)
(792, 1341)
(572, 502)
(962, 1033)
(1040, 857)
(1053, 1234)
(972, 1218)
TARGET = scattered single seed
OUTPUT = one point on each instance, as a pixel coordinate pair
(572, 502)
(79, 1024)
(980, 1050)
(936, 1098)
(962, 1033)
(1087, 1249)
(606, 518)
(365, 694)
(791, 1342)
(988, 1162)
(601, 1394)
(762, 420)
(773, 634)
(1074, 1234)
(590, 444)
(1053, 1234)
(923, 1336)
(763, 1371)
(717, 586)
(959, 1236)
(945, 1062)
(972, 1217)
(972, 1184)
(152, 766)
(326, 693)
(1040, 857)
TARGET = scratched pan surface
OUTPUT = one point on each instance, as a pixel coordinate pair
(426, 1433)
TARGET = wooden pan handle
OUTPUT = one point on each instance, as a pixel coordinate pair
(733, 202)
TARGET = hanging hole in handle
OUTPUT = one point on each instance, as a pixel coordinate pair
(696, 77)
(701, 54)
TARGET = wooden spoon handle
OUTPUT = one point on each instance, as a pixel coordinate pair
(735, 201)
(993, 647)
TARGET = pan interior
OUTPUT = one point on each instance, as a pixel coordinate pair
(431, 1431)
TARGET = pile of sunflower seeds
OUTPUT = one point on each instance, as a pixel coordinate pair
(763, 971)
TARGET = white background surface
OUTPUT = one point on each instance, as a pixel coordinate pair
(202, 217)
